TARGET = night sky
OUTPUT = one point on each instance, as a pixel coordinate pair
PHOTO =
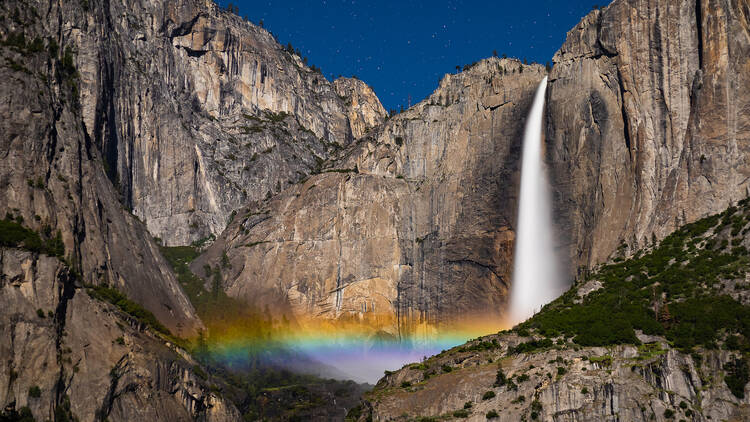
(403, 48)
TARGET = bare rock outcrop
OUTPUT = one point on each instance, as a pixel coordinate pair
(365, 110)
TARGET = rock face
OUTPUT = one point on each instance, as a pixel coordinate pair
(51, 172)
(64, 352)
(365, 110)
(590, 384)
(647, 121)
(412, 225)
(199, 112)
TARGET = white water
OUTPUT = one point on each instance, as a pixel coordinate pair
(537, 279)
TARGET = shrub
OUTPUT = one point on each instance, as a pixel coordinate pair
(484, 345)
(468, 405)
(68, 64)
(35, 392)
(461, 413)
(536, 408)
(354, 413)
(63, 412)
(669, 413)
(492, 414)
(446, 368)
(14, 235)
(522, 332)
(737, 377)
(530, 346)
(128, 306)
(500, 379)
(22, 415)
(276, 117)
(488, 395)
(405, 384)
(40, 313)
(605, 360)
(200, 372)
(519, 399)
(584, 390)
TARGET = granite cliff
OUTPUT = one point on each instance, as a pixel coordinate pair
(199, 112)
(52, 174)
(648, 121)
(67, 354)
(122, 122)
(408, 228)
(646, 130)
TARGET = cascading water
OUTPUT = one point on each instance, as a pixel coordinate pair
(536, 270)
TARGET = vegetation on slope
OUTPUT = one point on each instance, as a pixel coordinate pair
(223, 316)
(126, 305)
(14, 235)
(681, 289)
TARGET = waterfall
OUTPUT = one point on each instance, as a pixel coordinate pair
(536, 270)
